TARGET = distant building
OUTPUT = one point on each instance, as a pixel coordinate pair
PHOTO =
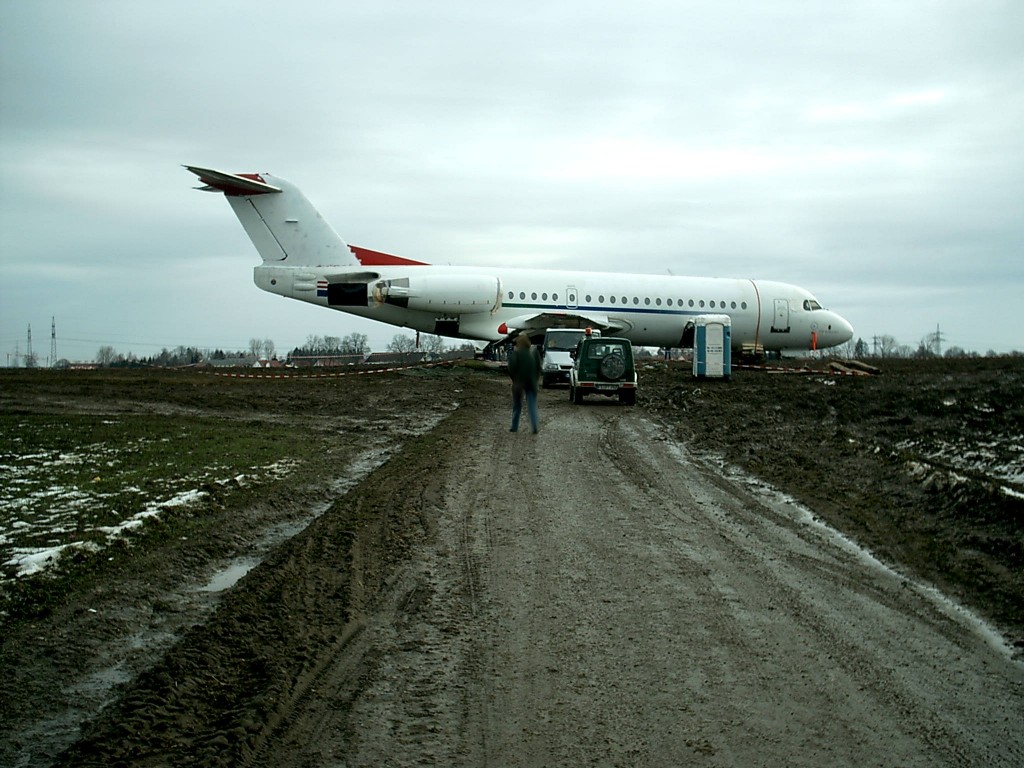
(326, 361)
(395, 358)
(243, 361)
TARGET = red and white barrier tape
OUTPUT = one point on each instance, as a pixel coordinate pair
(390, 369)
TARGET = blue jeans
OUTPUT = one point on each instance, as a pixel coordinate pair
(517, 407)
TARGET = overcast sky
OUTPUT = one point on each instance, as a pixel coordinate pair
(871, 152)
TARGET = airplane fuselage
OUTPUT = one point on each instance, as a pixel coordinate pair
(650, 310)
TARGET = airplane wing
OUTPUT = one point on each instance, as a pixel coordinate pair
(567, 319)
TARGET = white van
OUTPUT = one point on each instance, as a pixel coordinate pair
(555, 353)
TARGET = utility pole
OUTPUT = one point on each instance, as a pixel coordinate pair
(53, 341)
(29, 359)
(934, 341)
(938, 341)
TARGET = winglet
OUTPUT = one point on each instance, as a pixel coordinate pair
(232, 183)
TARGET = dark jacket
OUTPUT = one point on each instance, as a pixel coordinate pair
(524, 368)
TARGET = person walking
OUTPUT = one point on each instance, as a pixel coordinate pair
(524, 370)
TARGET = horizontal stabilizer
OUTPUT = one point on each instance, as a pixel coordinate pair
(283, 225)
(232, 183)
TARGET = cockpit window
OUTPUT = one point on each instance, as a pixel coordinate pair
(810, 304)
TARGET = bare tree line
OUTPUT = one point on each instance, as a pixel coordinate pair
(886, 345)
(881, 346)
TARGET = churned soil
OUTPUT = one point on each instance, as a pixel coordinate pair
(636, 586)
(923, 464)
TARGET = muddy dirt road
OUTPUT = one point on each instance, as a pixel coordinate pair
(603, 593)
(597, 596)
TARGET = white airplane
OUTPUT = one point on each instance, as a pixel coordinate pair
(305, 259)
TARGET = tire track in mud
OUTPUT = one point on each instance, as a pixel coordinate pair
(420, 704)
(821, 590)
(395, 658)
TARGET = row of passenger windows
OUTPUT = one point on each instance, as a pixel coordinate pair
(647, 301)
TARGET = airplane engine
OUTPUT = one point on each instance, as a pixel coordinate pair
(451, 294)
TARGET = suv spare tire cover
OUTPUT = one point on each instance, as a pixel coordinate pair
(613, 366)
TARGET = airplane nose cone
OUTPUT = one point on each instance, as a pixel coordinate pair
(842, 329)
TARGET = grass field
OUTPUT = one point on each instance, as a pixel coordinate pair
(81, 480)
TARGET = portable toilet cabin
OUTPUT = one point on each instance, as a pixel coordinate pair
(712, 346)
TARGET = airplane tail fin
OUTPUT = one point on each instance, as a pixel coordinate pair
(283, 225)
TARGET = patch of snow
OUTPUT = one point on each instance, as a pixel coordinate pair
(29, 561)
